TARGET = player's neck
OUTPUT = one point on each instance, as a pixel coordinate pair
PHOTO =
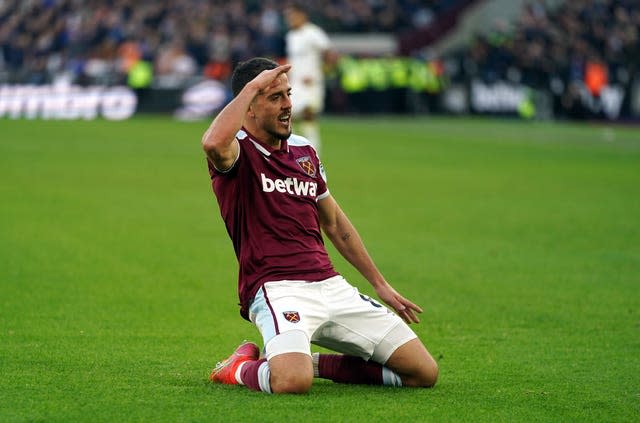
(263, 136)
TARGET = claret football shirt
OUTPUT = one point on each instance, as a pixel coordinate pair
(268, 201)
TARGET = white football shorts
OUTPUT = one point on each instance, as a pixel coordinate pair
(305, 96)
(332, 314)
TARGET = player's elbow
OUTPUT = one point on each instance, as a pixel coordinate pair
(222, 153)
(208, 143)
(213, 143)
(209, 150)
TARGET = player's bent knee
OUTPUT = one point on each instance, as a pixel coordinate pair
(426, 377)
(291, 383)
(291, 373)
(414, 364)
(430, 376)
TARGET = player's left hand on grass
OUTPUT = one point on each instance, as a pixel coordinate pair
(402, 306)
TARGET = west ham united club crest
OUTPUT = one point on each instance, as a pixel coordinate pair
(307, 165)
(292, 316)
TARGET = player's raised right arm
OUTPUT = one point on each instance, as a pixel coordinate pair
(219, 141)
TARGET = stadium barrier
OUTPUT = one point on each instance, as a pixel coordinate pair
(391, 85)
(67, 102)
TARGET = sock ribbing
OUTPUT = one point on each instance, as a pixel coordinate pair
(315, 358)
(255, 375)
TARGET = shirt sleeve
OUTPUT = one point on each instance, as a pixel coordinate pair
(321, 178)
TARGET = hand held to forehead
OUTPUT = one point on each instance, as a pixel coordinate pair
(268, 77)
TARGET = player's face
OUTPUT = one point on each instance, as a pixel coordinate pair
(272, 111)
(295, 18)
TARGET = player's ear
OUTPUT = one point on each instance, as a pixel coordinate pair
(250, 111)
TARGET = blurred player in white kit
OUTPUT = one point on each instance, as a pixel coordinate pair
(308, 48)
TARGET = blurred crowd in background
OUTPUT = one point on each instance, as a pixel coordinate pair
(573, 51)
(583, 40)
(581, 43)
(101, 40)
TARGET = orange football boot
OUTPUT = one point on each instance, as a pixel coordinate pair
(225, 371)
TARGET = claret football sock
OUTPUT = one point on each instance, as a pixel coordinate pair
(349, 369)
(255, 375)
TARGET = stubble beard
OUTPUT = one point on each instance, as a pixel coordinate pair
(280, 135)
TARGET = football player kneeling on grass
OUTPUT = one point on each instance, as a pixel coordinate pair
(274, 199)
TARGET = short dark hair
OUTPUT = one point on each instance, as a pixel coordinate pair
(247, 70)
(298, 6)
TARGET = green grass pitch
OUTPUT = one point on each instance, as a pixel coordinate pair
(521, 241)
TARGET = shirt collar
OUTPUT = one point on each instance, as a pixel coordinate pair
(263, 148)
